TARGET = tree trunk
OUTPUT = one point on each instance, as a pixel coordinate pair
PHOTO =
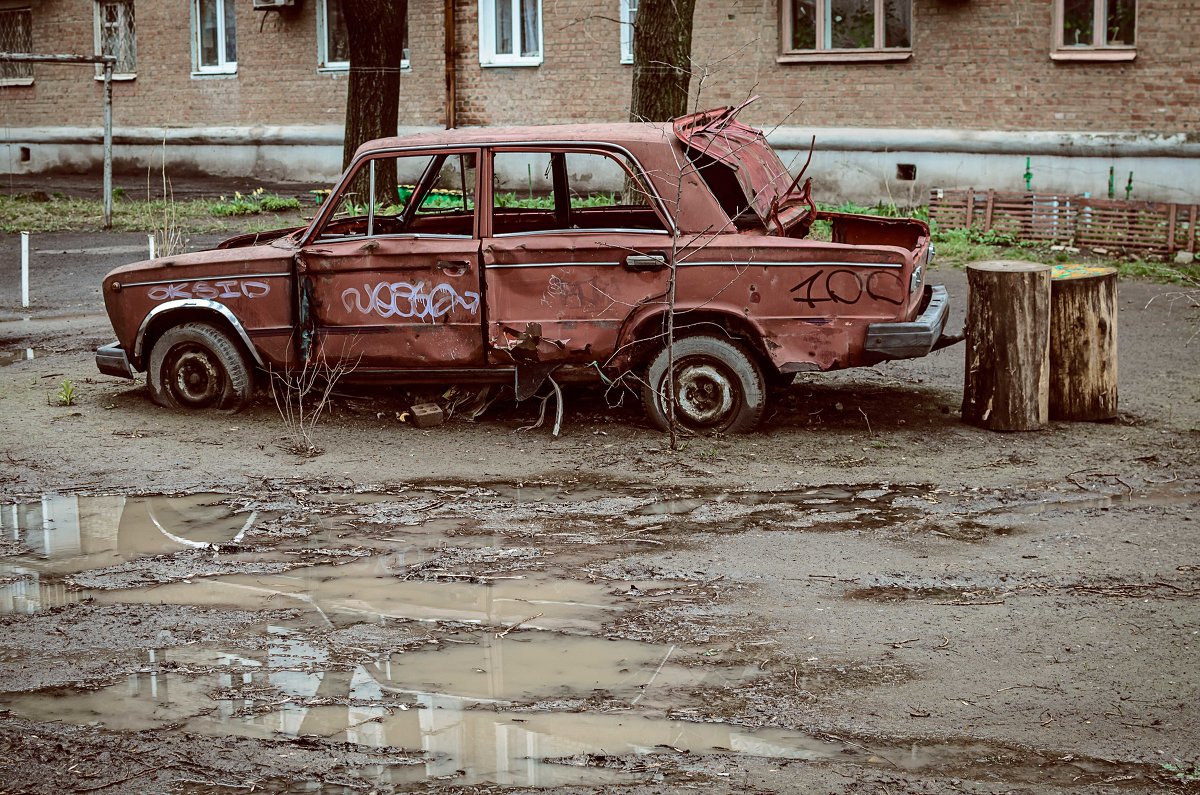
(375, 36)
(662, 69)
(1007, 383)
(1083, 343)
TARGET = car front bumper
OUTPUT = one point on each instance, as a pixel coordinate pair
(112, 360)
(915, 338)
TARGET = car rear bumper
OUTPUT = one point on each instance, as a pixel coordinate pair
(911, 339)
(111, 360)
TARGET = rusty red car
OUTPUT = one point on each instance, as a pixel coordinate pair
(682, 259)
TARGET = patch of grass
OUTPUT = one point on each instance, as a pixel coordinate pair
(23, 213)
(252, 203)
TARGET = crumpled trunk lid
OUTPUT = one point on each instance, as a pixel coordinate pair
(717, 134)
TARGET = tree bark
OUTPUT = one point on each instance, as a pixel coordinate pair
(1007, 382)
(662, 69)
(375, 36)
(1083, 343)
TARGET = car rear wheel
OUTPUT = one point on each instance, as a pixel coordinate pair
(198, 366)
(717, 387)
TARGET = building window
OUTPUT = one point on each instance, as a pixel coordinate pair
(510, 32)
(1094, 29)
(628, 17)
(827, 30)
(16, 35)
(333, 48)
(216, 36)
(115, 36)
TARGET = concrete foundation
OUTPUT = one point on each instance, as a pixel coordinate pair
(850, 164)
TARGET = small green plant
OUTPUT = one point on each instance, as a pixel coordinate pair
(1183, 773)
(66, 393)
(252, 203)
(118, 194)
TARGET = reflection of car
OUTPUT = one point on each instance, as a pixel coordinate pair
(507, 254)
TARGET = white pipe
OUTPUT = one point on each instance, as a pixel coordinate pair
(150, 241)
(24, 269)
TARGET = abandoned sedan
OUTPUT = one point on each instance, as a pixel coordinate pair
(512, 255)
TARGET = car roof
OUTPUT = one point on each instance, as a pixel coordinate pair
(620, 133)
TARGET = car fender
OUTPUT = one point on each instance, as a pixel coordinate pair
(190, 305)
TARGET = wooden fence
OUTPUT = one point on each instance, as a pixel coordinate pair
(1150, 227)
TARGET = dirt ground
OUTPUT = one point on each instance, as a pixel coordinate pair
(865, 596)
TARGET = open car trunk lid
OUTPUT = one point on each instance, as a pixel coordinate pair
(758, 169)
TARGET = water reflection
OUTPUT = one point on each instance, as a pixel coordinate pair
(65, 534)
(452, 703)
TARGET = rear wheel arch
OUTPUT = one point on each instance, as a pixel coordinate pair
(649, 333)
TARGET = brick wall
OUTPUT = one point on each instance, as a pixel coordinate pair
(977, 64)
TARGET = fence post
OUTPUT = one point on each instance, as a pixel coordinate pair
(24, 269)
(108, 143)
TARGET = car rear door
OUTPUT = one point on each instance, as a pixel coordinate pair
(574, 243)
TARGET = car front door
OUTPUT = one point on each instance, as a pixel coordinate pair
(393, 283)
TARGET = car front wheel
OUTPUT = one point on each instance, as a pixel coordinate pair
(198, 366)
(717, 387)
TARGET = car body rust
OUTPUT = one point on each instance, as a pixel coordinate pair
(465, 278)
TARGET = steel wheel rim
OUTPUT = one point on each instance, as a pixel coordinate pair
(194, 377)
(706, 394)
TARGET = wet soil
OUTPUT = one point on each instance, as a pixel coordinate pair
(864, 596)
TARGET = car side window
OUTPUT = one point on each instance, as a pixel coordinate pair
(545, 191)
(406, 195)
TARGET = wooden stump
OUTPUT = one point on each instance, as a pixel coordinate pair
(1007, 383)
(1083, 343)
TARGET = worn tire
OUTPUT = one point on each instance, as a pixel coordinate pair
(198, 366)
(718, 387)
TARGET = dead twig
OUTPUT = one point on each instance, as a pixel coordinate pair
(513, 626)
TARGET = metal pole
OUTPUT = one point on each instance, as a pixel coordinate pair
(108, 208)
(150, 241)
(24, 269)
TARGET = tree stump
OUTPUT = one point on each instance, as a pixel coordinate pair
(1083, 343)
(1007, 383)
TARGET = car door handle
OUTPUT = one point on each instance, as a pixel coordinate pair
(640, 263)
(453, 267)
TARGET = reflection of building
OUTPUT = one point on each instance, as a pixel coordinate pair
(66, 534)
(459, 722)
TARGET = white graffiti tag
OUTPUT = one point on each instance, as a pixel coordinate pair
(404, 299)
(229, 288)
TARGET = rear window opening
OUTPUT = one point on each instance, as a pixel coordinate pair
(724, 186)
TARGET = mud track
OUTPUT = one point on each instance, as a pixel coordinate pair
(866, 596)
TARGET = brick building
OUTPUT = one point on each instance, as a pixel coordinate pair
(903, 95)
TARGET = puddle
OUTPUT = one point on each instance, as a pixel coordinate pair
(452, 706)
(20, 355)
(369, 590)
(65, 534)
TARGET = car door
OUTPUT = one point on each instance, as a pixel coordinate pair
(574, 243)
(395, 285)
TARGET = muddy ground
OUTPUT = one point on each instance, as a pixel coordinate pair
(864, 596)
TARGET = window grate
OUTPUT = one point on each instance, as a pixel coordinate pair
(16, 35)
(117, 35)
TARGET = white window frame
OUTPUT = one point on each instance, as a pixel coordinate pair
(824, 53)
(325, 65)
(97, 23)
(1099, 49)
(20, 81)
(487, 36)
(223, 66)
(628, 15)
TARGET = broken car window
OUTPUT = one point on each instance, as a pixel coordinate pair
(582, 189)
